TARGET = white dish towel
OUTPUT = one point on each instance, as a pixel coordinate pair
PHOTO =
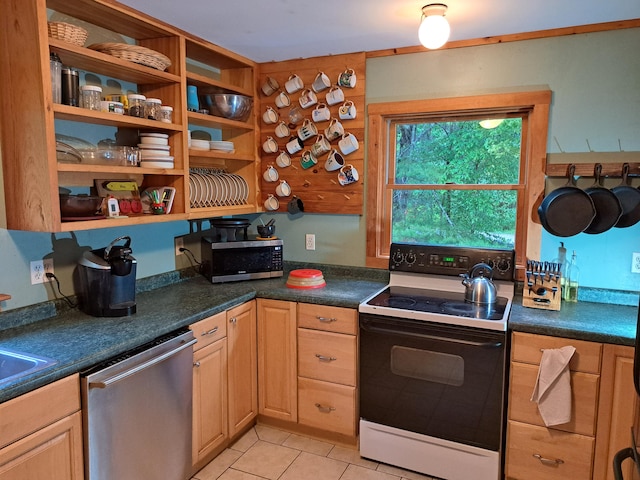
(552, 391)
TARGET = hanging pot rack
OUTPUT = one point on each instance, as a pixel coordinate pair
(558, 163)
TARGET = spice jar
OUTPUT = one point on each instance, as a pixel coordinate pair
(70, 87)
(166, 114)
(152, 108)
(136, 105)
(90, 97)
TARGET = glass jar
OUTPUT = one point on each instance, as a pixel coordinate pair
(56, 77)
(136, 105)
(166, 114)
(152, 108)
(90, 97)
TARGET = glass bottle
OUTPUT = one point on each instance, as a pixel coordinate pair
(570, 291)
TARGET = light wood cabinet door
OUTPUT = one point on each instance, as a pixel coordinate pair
(277, 376)
(243, 366)
(618, 404)
(209, 330)
(52, 453)
(209, 399)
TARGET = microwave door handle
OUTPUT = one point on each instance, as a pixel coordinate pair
(431, 337)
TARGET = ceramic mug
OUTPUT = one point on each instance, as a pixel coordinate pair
(293, 84)
(283, 160)
(347, 78)
(334, 96)
(282, 130)
(334, 131)
(321, 113)
(296, 115)
(270, 174)
(271, 203)
(348, 143)
(270, 145)
(321, 82)
(320, 146)
(307, 98)
(282, 100)
(269, 86)
(294, 146)
(348, 174)
(271, 116)
(284, 189)
(295, 205)
(307, 130)
(347, 111)
(308, 159)
(334, 161)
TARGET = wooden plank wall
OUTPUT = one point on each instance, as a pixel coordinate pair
(317, 188)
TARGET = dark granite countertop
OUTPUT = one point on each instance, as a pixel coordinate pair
(78, 341)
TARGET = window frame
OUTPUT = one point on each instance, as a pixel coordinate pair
(532, 106)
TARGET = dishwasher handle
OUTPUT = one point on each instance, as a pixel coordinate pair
(155, 360)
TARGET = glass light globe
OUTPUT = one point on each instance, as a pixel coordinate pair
(434, 31)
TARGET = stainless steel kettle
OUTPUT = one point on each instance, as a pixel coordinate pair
(479, 289)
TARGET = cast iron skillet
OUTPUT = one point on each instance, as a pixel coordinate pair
(567, 210)
(608, 208)
(629, 198)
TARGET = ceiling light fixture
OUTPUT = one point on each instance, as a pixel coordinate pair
(434, 28)
(491, 123)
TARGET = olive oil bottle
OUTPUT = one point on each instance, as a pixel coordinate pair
(570, 289)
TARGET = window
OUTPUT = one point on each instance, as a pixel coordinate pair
(436, 176)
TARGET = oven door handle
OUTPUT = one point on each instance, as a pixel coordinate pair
(366, 326)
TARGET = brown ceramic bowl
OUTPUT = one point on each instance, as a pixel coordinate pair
(80, 205)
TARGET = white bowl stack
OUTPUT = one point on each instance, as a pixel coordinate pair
(155, 151)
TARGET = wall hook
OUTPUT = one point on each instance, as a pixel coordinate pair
(320, 197)
(589, 146)
(558, 144)
(334, 182)
(346, 196)
(620, 146)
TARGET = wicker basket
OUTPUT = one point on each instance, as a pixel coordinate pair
(67, 33)
(134, 53)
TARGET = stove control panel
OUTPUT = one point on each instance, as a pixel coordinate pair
(452, 261)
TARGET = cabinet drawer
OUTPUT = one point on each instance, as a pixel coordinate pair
(526, 348)
(524, 441)
(327, 356)
(209, 330)
(324, 317)
(584, 400)
(327, 406)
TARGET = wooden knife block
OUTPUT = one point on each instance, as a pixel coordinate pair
(532, 299)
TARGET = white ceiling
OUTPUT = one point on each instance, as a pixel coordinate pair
(265, 30)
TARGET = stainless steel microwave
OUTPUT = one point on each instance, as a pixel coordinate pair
(243, 260)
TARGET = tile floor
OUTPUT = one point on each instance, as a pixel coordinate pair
(267, 453)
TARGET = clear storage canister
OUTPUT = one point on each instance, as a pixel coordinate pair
(90, 97)
(56, 77)
(152, 108)
(166, 114)
(137, 105)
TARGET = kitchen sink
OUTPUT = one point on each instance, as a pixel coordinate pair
(14, 365)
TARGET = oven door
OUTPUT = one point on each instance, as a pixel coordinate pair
(438, 380)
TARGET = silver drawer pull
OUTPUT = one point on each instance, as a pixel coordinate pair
(324, 409)
(324, 358)
(196, 364)
(547, 461)
(233, 320)
(325, 319)
(210, 332)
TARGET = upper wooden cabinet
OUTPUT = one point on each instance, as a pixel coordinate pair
(32, 174)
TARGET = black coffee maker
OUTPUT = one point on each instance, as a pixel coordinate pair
(107, 280)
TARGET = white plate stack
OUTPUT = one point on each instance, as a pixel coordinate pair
(222, 146)
(155, 151)
(199, 144)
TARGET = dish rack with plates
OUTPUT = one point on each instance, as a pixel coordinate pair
(215, 187)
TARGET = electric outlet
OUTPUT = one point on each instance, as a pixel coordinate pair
(310, 241)
(39, 269)
(179, 243)
(635, 263)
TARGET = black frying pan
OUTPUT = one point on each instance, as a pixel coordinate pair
(608, 208)
(629, 198)
(567, 210)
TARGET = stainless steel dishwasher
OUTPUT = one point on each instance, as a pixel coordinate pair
(137, 412)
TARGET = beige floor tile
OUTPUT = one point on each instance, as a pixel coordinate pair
(309, 445)
(402, 473)
(266, 460)
(232, 474)
(354, 472)
(218, 465)
(351, 455)
(271, 435)
(314, 467)
(245, 442)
